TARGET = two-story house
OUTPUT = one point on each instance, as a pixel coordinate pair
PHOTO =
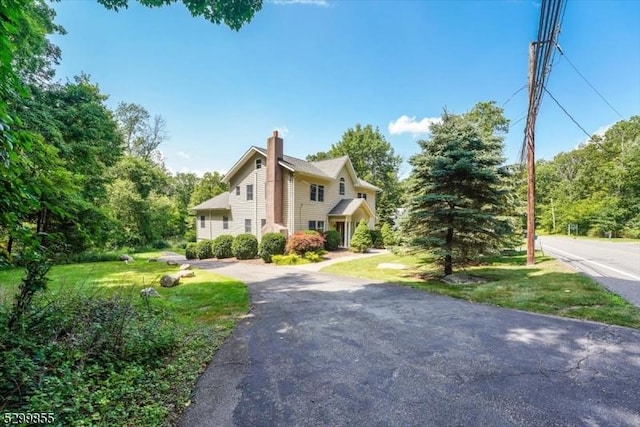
(272, 192)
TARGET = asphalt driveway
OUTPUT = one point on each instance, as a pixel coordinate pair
(321, 350)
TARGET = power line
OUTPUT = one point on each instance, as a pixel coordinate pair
(514, 94)
(587, 81)
(570, 116)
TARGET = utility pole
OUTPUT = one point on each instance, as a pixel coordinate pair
(531, 163)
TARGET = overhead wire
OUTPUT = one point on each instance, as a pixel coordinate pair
(564, 55)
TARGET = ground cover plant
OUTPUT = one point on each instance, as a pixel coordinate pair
(93, 352)
(548, 287)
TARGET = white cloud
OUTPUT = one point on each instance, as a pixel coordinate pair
(183, 155)
(406, 124)
(322, 3)
(598, 132)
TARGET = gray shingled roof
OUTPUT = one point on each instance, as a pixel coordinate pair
(219, 202)
(298, 165)
(332, 166)
(346, 207)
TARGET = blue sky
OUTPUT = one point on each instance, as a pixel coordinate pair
(313, 69)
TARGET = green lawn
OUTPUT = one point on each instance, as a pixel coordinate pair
(199, 313)
(548, 287)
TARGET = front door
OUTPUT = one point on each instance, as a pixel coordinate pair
(340, 229)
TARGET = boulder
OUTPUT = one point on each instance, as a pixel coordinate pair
(185, 267)
(126, 258)
(169, 281)
(186, 273)
(149, 293)
(152, 260)
(172, 262)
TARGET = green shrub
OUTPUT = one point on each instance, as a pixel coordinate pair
(361, 240)
(376, 239)
(222, 246)
(190, 236)
(204, 249)
(313, 256)
(291, 259)
(271, 244)
(302, 242)
(332, 240)
(388, 236)
(191, 251)
(245, 246)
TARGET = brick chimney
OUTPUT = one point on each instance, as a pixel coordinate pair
(273, 199)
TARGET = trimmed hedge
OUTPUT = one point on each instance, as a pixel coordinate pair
(303, 241)
(332, 240)
(191, 251)
(361, 240)
(222, 246)
(245, 246)
(204, 249)
(271, 244)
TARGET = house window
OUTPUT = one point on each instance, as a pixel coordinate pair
(317, 226)
(263, 222)
(342, 186)
(247, 226)
(258, 163)
(237, 190)
(250, 192)
(225, 222)
(317, 192)
(201, 221)
(362, 196)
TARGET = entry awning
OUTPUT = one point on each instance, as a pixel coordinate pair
(347, 207)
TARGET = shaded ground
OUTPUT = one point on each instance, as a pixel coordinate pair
(319, 349)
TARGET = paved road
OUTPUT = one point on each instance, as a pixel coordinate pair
(321, 350)
(614, 265)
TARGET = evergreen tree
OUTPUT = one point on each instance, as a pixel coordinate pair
(361, 240)
(459, 202)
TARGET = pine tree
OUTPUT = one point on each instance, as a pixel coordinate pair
(460, 204)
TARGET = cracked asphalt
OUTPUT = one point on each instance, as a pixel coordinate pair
(320, 350)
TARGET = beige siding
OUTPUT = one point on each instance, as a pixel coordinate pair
(308, 210)
(213, 225)
(248, 209)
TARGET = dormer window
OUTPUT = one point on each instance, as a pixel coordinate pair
(342, 186)
(258, 163)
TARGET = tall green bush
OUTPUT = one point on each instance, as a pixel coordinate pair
(332, 240)
(204, 249)
(388, 237)
(245, 246)
(222, 246)
(271, 244)
(361, 240)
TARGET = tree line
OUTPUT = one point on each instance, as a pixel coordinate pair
(593, 189)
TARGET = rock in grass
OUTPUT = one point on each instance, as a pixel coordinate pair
(152, 260)
(149, 293)
(186, 273)
(463, 279)
(125, 257)
(185, 267)
(169, 281)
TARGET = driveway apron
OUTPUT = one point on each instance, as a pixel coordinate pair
(318, 349)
